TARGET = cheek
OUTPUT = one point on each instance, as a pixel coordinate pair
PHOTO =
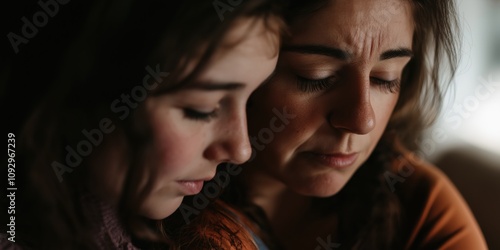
(383, 107)
(175, 146)
(278, 126)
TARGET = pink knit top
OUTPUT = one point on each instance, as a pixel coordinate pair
(109, 231)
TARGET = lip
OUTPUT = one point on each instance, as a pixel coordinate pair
(191, 187)
(336, 160)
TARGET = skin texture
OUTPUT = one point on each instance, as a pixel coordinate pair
(193, 129)
(347, 116)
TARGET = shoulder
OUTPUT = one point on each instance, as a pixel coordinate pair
(434, 213)
(411, 176)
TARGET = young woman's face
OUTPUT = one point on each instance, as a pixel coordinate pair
(338, 78)
(200, 126)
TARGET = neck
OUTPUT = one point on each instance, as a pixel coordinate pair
(279, 203)
(288, 212)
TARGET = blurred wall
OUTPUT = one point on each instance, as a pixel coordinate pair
(465, 142)
(471, 114)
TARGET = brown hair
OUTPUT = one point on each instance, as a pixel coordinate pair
(103, 56)
(430, 71)
(374, 223)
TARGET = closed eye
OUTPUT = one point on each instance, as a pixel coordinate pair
(392, 86)
(314, 85)
(196, 115)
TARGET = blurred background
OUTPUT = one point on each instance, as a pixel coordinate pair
(465, 141)
(471, 114)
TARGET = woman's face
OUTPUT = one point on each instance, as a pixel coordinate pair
(338, 76)
(198, 127)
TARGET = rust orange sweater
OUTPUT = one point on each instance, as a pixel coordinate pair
(437, 216)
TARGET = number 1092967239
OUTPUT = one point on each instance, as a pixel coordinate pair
(11, 153)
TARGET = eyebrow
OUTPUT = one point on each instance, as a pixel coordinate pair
(400, 52)
(342, 54)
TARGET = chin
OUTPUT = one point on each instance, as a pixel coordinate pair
(323, 187)
(160, 210)
(320, 193)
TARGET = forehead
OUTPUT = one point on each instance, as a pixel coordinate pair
(360, 27)
(250, 35)
(248, 44)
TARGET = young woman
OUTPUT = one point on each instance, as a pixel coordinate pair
(149, 98)
(357, 81)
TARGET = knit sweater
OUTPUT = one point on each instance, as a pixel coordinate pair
(110, 233)
(108, 229)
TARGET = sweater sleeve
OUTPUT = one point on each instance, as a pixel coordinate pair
(439, 217)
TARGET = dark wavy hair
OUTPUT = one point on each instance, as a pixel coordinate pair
(92, 52)
(370, 214)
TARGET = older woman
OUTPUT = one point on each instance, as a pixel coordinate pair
(359, 80)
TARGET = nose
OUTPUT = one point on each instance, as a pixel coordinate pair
(231, 143)
(352, 110)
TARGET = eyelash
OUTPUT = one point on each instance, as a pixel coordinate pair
(312, 85)
(387, 86)
(195, 115)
